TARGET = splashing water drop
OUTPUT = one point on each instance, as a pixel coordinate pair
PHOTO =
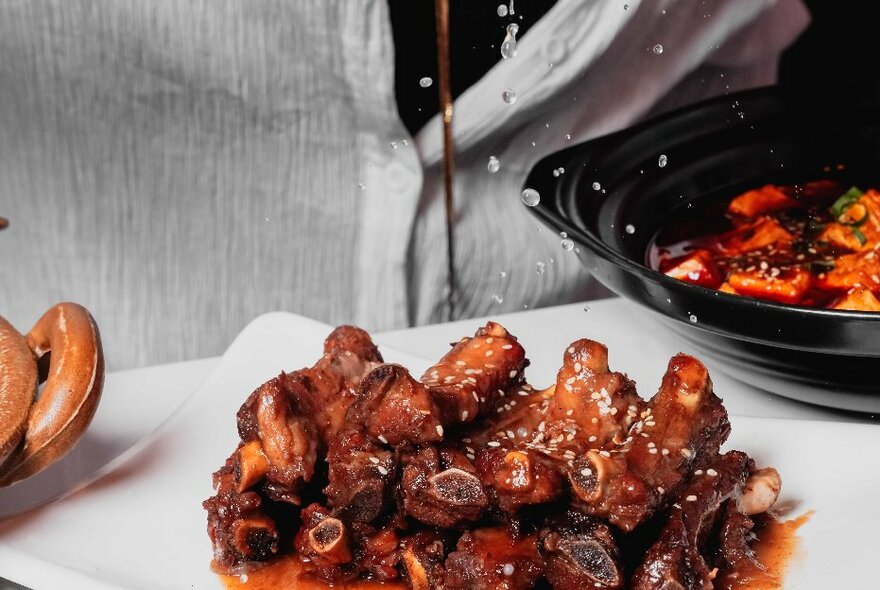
(567, 244)
(539, 267)
(502, 10)
(426, 82)
(586, 308)
(362, 186)
(394, 145)
(568, 136)
(497, 298)
(502, 273)
(693, 319)
(558, 172)
(508, 96)
(563, 234)
(530, 197)
(626, 6)
(404, 141)
(494, 165)
(630, 228)
(596, 186)
(658, 49)
(662, 160)
(508, 46)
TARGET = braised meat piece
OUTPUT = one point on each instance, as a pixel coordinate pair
(493, 559)
(338, 551)
(440, 488)
(395, 409)
(473, 378)
(517, 478)
(579, 551)
(239, 529)
(421, 559)
(678, 560)
(361, 476)
(591, 403)
(684, 424)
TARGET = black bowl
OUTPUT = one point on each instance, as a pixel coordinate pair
(715, 150)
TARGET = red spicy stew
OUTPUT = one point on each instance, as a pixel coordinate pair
(816, 244)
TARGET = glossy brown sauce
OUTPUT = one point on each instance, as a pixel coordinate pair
(777, 544)
(775, 548)
(288, 573)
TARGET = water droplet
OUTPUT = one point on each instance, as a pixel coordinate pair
(362, 186)
(559, 172)
(426, 82)
(693, 319)
(596, 186)
(626, 6)
(502, 273)
(494, 165)
(510, 8)
(567, 244)
(568, 136)
(563, 234)
(502, 10)
(508, 569)
(661, 161)
(497, 298)
(508, 96)
(394, 145)
(404, 141)
(586, 308)
(630, 228)
(508, 46)
(530, 197)
(539, 267)
(658, 49)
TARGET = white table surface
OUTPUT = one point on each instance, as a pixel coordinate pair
(544, 333)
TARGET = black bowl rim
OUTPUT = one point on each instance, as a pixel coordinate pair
(587, 238)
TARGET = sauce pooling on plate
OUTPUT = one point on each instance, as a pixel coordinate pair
(816, 244)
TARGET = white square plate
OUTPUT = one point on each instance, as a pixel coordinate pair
(142, 525)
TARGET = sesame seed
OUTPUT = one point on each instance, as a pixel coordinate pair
(586, 472)
(464, 415)
(490, 352)
(460, 363)
(507, 347)
(569, 412)
(382, 470)
(605, 454)
(382, 439)
(652, 451)
(490, 340)
(493, 443)
(592, 438)
(664, 452)
(686, 453)
(661, 490)
(374, 460)
(711, 472)
(698, 472)
(470, 456)
(439, 430)
(691, 498)
(512, 374)
(571, 350)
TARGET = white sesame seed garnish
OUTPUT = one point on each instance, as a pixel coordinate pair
(374, 460)
(577, 367)
(691, 498)
(661, 490)
(464, 415)
(586, 472)
(652, 451)
(470, 456)
(460, 363)
(686, 453)
(664, 452)
(512, 374)
(507, 347)
(592, 438)
(382, 439)
(571, 350)
(439, 430)
(382, 470)
(698, 472)
(490, 340)
(490, 352)
(711, 472)
(605, 454)
(493, 443)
